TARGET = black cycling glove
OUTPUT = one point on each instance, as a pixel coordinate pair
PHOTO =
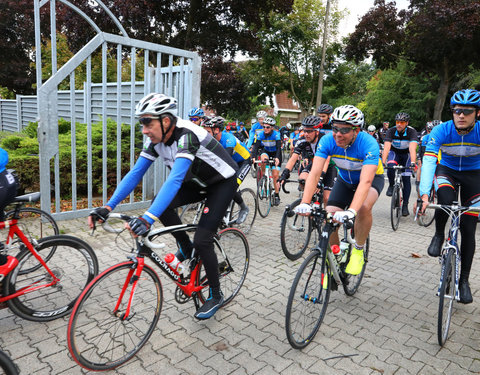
(100, 213)
(285, 175)
(139, 226)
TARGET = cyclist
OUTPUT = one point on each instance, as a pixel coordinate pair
(400, 149)
(372, 130)
(196, 115)
(200, 169)
(270, 146)
(383, 131)
(242, 133)
(8, 191)
(325, 111)
(459, 142)
(256, 128)
(237, 150)
(360, 178)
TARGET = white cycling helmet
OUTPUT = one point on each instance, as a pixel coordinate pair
(371, 128)
(269, 121)
(349, 115)
(156, 105)
(289, 126)
(261, 114)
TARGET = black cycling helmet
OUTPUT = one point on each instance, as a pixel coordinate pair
(402, 116)
(312, 122)
(325, 108)
(213, 122)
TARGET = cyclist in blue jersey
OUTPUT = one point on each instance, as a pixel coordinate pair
(196, 115)
(200, 169)
(269, 146)
(459, 142)
(256, 128)
(400, 148)
(359, 182)
(237, 150)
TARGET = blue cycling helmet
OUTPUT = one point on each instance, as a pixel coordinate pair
(196, 112)
(466, 97)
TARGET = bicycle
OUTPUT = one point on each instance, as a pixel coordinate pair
(118, 311)
(320, 273)
(427, 218)
(7, 366)
(191, 212)
(51, 271)
(450, 266)
(296, 230)
(397, 198)
(265, 189)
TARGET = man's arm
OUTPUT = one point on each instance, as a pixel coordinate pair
(366, 178)
(412, 148)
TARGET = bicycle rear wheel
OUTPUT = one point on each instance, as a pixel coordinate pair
(7, 366)
(295, 232)
(396, 207)
(190, 213)
(233, 254)
(98, 338)
(73, 262)
(263, 197)
(308, 300)
(429, 215)
(351, 283)
(250, 200)
(447, 296)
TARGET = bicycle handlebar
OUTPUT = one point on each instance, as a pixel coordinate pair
(300, 181)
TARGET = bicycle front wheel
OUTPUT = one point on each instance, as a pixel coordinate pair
(250, 199)
(396, 207)
(429, 215)
(447, 296)
(263, 197)
(73, 263)
(308, 300)
(295, 232)
(7, 366)
(233, 254)
(98, 336)
(351, 283)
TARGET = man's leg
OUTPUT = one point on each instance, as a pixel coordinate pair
(391, 161)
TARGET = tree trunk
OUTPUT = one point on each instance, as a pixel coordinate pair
(442, 92)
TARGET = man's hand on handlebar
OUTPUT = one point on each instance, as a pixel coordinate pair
(303, 209)
(344, 216)
(138, 226)
(98, 214)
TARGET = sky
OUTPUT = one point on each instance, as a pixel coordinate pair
(357, 9)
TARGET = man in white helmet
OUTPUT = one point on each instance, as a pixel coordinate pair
(200, 168)
(256, 128)
(359, 181)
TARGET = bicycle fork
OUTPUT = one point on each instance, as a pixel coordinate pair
(132, 279)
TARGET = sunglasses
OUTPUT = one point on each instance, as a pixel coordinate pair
(145, 121)
(194, 118)
(465, 111)
(341, 130)
(309, 131)
(266, 127)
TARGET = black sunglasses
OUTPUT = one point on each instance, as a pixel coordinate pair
(465, 111)
(266, 127)
(194, 118)
(341, 130)
(145, 121)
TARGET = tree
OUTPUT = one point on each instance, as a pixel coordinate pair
(442, 38)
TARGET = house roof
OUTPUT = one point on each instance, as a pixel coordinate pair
(284, 103)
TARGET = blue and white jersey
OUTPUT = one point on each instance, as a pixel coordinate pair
(349, 161)
(459, 152)
(240, 150)
(3, 159)
(269, 142)
(252, 135)
(401, 141)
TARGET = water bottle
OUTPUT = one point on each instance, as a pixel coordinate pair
(344, 245)
(174, 263)
(337, 252)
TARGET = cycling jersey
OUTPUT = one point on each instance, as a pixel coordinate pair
(306, 149)
(252, 135)
(271, 143)
(401, 141)
(349, 161)
(327, 128)
(237, 149)
(459, 152)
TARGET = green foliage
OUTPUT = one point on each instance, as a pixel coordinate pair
(30, 130)
(6, 93)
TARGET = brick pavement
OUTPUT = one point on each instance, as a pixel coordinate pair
(388, 327)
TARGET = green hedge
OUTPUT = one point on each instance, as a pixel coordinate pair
(23, 152)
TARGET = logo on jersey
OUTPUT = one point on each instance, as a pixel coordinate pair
(205, 210)
(369, 156)
(181, 142)
(432, 141)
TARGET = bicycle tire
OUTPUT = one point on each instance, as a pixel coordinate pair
(35, 224)
(233, 254)
(447, 296)
(295, 232)
(74, 262)
(429, 215)
(98, 339)
(395, 207)
(250, 199)
(190, 213)
(263, 197)
(308, 300)
(351, 283)
(7, 365)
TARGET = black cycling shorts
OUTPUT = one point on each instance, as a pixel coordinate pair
(343, 192)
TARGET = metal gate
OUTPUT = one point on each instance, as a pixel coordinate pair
(180, 78)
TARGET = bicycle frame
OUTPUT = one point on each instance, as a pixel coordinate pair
(15, 230)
